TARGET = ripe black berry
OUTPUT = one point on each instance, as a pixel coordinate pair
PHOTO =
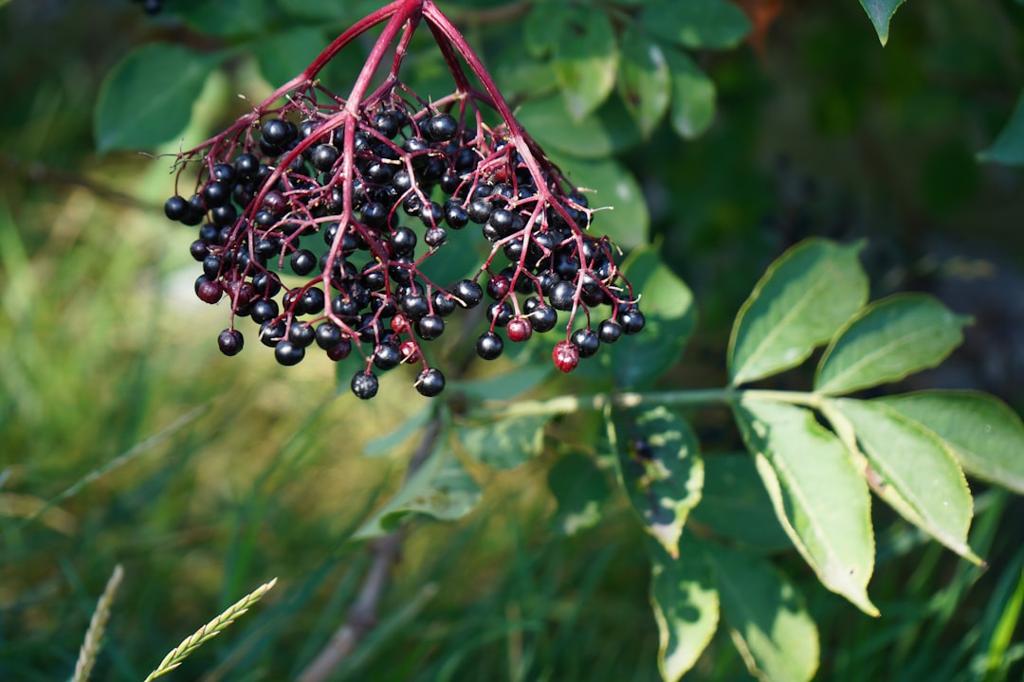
(303, 261)
(176, 208)
(386, 356)
(199, 250)
(442, 127)
(444, 305)
(430, 382)
(562, 295)
(403, 240)
(479, 211)
(543, 318)
(609, 331)
(468, 293)
(328, 335)
(435, 237)
(324, 156)
(364, 385)
(586, 342)
(340, 350)
(633, 321)
(301, 334)
(430, 327)
(288, 353)
(230, 342)
(489, 346)
(277, 132)
(263, 310)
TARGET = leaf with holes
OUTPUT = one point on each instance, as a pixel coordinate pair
(799, 303)
(686, 609)
(887, 341)
(766, 616)
(919, 476)
(819, 496)
(984, 433)
(661, 469)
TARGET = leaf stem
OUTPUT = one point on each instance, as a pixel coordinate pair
(568, 404)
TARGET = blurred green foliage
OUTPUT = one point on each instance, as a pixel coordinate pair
(205, 477)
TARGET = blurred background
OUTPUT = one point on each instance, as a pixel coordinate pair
(125, 437)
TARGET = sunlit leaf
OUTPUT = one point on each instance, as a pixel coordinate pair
(598, 135)
(887, 341)
(580, 489)
(985, 434)
(693, 96)
(880, 12)
(919, 476)
(505, 443)
(799, 303)
(643, 79)
(586, 57)
(820, 498)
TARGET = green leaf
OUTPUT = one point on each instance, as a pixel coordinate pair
(661, 469)
(283, 56)
(819, 496)
(734, 504)
(799, 303)
(543, 28)
(441, 489)
(685, 604)
(693, 96)
(880, 12)
(1009, 146)
(888, 340)
(614, 185)
(603, 133)
(585, 60)
(667, 304)
(386, 444)
(146, 99)
(766, 615)
(643, 79)
(984, 433)
(580, 489)
(506, 443)
(696, 23)
(240, 17)
(919, 476)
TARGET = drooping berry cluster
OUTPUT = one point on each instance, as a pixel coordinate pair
(374, 183)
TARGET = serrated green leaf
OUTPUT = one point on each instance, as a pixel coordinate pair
(660, 468)
(543, 28)
(984, 433)
(607, 131)
(696, 23)
(1009, 146)
(686, 609)
(386, 444)
(441, 489)
(586, 57)
(580, 489)
(820, 498)
(887, 341)
(693, 96)
(734, 504)
(506, 443)
(146, 99)
(766, 616)
(614, 185)
(283, 56)
(880, 12)
(800, 302)
(643, 80)
(920, 477)
(667, 304)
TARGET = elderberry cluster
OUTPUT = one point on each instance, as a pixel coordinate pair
(315, 218)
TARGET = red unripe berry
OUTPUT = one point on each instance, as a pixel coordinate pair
(566, 356)
(519, 329)
(399, 324)
(209, 292)
(410, 352)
